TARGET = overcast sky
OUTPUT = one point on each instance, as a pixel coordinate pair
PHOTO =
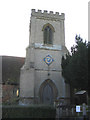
(15, 19)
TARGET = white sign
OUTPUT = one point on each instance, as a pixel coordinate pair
(78, 108)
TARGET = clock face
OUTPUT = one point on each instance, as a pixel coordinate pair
(48, 60)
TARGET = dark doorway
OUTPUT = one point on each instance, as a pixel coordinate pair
(47, 94)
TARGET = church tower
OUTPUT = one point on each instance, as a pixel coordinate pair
(41, 79)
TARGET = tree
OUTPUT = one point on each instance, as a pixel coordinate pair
(89, 68)
(75, 65)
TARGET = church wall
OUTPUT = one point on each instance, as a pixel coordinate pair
(37, 33)
(41, 76)
(41, 70)
(41, 54)
(27, 83)
(39, 27)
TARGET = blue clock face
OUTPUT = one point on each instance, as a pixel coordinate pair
(48, 60)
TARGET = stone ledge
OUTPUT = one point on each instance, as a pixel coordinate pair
(53, 47)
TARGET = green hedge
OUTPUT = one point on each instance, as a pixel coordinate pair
(36, 111)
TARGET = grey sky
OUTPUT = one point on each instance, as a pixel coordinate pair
(15, 19)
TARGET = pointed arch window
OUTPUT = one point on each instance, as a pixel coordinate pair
(48, 32)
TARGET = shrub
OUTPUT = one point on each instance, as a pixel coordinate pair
(34, 111)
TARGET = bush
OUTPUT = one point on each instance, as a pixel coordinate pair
(34, 111)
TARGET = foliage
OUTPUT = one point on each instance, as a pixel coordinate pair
(75, 65)
(12, 101)
(34, 111)
(89, 68)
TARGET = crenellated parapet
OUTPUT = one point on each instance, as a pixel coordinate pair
(49, 14)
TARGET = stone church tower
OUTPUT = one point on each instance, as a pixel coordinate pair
(41, 79)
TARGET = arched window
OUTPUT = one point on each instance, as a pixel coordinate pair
(48, 34)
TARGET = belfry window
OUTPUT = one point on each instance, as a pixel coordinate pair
(48, 34)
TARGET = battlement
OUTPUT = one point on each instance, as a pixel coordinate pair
(45, 13)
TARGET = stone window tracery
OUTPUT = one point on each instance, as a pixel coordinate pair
(48, 32)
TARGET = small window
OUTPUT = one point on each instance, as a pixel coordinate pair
(48, 34)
